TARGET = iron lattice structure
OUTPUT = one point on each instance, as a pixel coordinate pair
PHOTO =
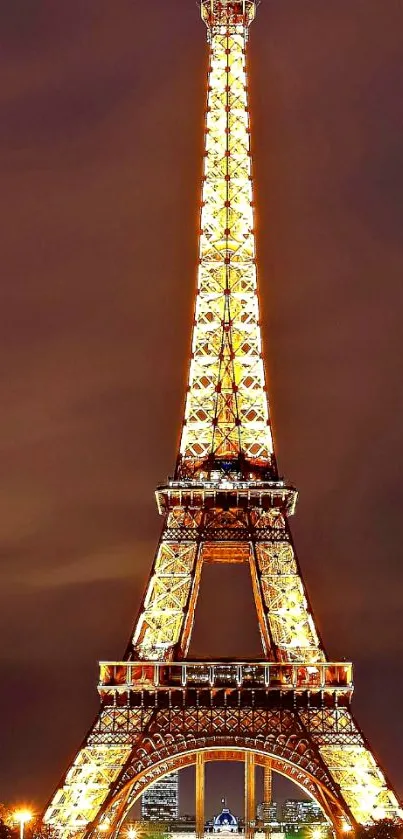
(226, 503)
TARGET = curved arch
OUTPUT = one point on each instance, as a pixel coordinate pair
(121, 803)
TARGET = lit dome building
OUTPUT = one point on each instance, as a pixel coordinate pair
(225, 822)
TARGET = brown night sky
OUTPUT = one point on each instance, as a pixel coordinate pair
(101, 108)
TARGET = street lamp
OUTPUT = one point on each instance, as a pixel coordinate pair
(22, 817)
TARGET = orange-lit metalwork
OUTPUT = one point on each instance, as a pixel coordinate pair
(226, 411)
(226, 503)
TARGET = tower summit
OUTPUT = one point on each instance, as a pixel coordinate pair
(226, 424)
(289, 711)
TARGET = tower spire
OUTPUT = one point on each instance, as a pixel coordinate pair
(226, 413)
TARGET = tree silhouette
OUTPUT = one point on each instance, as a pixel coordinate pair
(382, 829)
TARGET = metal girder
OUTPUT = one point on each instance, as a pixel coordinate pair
(126, 742)
(255, 536)
(226, 411)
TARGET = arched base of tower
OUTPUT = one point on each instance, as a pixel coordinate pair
(311, 737)
(311, 782)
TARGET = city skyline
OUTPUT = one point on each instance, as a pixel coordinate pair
(47, 583)
(160, 802)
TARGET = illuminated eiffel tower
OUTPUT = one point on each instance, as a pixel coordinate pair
(160, 711)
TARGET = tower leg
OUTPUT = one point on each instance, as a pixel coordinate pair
(250, 798)
(267, 795)
(200, 770)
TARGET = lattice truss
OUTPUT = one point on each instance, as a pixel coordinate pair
(87, 783)
(95, 769)
(161, 618)
(125, 741)
(226, 406)
(292, 627)
(291, 633)
(362, 782)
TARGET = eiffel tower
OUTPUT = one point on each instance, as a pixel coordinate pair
(289, 711)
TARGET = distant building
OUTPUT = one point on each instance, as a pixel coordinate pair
(160, 802)
(311, 812)
(267, 812)
(225, 822)
(303, 811)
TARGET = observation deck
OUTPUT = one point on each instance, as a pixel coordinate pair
(226, 493)
(259, 677)
(227, 13)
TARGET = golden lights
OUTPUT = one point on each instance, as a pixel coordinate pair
(22, 816)
(226, 415)
(85, 788)
(362, 783)
(226, 405)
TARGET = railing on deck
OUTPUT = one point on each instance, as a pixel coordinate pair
(162, 675)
